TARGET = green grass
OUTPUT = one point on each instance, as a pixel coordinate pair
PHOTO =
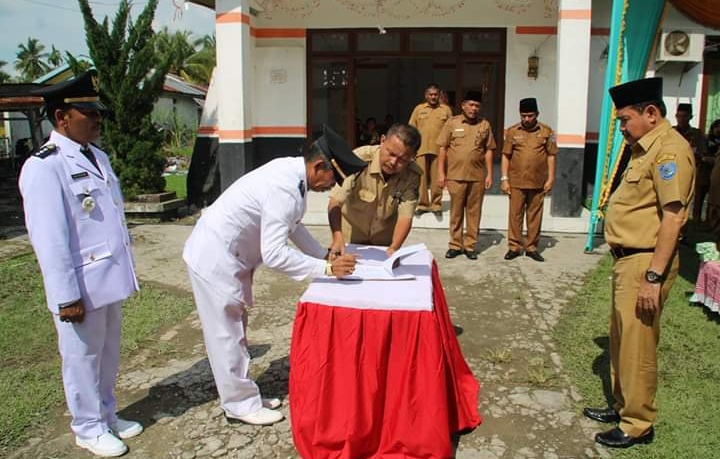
(178, 184)
(30, 384)
(688, 397)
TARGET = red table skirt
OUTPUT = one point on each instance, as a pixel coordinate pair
(378, 384)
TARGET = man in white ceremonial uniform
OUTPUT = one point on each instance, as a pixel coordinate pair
(248, 225)
(75, 219)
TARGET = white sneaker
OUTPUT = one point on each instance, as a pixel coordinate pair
(271, 403)
(105, 445)
(262, 417)
(126, 429)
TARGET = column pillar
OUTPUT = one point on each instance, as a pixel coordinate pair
(234, 79)
(573, 60)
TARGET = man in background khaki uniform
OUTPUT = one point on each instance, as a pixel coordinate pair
(528, 174)
(703, 163)
(429, 117)
(643, 220)
(465, 167)
(376, 206)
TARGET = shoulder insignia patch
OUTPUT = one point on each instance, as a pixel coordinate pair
(667, 170)
(46, 150)
(301, 188)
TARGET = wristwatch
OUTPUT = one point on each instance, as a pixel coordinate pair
(652, 277)
(503, 178)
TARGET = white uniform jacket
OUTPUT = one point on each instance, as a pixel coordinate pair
(76, 222)
(250, 224)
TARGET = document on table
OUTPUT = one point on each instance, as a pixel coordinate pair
(373, 269)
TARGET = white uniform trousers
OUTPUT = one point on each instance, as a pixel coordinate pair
(90, 352)
(224, 319)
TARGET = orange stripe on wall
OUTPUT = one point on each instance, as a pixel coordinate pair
(232, 18)
(278, 33)
(244, 134)
(207, 130)
(235, 134)
(592, 136)
(600, 31)
(279, 130)
(575, 14)
(570, 138)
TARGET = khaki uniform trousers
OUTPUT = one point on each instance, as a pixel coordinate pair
(428, 182)
(529, 204)
(465, 203)
(633, 345)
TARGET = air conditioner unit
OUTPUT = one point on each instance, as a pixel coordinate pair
(680, 46)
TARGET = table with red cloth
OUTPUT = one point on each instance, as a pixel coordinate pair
(707, 286)
(376, 370)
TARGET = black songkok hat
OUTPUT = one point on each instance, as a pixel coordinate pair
(528, 105)
(473, 95)
(344, 162)
(80, 92)
(685, 108)
(637, 92)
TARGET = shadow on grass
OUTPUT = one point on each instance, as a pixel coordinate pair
(195, 386)
(601, 367)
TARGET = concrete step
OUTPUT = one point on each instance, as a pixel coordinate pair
(494, 215)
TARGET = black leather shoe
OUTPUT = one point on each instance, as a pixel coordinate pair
(535, 256)
(608, 415)
(616, 438)
(452, 253)
(471, 254)
(512, 254)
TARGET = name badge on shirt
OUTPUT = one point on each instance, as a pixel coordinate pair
(79, 175)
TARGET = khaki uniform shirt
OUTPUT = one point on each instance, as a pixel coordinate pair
(698, 143)
(466, 146)
(429, 121)
(528, 152)
(370, 204)
(661, 171)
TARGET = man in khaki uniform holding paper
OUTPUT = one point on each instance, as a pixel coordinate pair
(528, 174)
(429, 118)
(465, 167)
(643, 221)
(376, 206)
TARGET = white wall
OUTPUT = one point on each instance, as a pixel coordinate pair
(185, 108)
(279, 96)
(518, 85)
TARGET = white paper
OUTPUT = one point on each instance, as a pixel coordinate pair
(374, 269)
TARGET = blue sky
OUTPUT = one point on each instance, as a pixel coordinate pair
(60, 23)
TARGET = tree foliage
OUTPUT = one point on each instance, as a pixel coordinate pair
(193, 61)
(131, 77)
(4, 77)
(31, 60)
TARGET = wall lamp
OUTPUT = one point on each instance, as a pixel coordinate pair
(533, 65)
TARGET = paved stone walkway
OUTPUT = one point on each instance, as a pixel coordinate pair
(504, 313)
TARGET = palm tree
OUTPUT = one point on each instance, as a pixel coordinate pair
(192, 61)
(4, 77)
(55, 58)
(30, 61)
(176, 45)
(200, 65)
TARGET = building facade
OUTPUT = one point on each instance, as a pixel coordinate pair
(285, 67)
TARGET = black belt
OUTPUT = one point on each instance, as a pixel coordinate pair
(619, 252)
